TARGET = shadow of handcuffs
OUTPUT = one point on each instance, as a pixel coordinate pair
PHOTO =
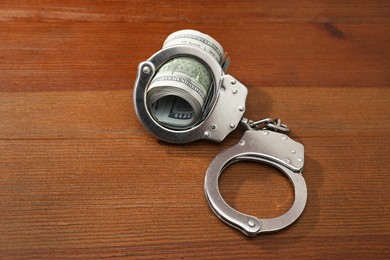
(182, 94)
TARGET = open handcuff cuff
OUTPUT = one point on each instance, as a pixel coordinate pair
(264, 141)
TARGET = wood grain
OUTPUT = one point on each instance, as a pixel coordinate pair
(80, 177)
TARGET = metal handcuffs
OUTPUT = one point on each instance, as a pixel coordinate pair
(264, 141)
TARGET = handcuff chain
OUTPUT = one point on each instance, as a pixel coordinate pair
(265, 124)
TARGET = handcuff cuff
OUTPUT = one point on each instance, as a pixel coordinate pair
(264, 141)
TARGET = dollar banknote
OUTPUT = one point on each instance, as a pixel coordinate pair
(179, 89)
(196, 39)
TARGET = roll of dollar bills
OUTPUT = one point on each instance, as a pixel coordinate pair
(180, 87)
(196, 39)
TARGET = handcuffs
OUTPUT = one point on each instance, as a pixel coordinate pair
(264, 141)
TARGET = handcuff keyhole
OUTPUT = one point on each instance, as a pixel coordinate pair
(256, 189)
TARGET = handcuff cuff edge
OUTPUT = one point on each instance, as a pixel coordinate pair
(249, 149)
(216, 124)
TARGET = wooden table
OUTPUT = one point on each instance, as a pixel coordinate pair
(80, 177)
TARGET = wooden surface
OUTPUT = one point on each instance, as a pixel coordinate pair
(80, 177)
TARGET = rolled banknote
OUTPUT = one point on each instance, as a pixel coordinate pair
(196, 39)
(180, 87)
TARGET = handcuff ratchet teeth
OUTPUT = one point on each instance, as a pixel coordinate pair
(264, 141)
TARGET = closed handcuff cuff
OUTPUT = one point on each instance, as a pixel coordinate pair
(264, 141)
